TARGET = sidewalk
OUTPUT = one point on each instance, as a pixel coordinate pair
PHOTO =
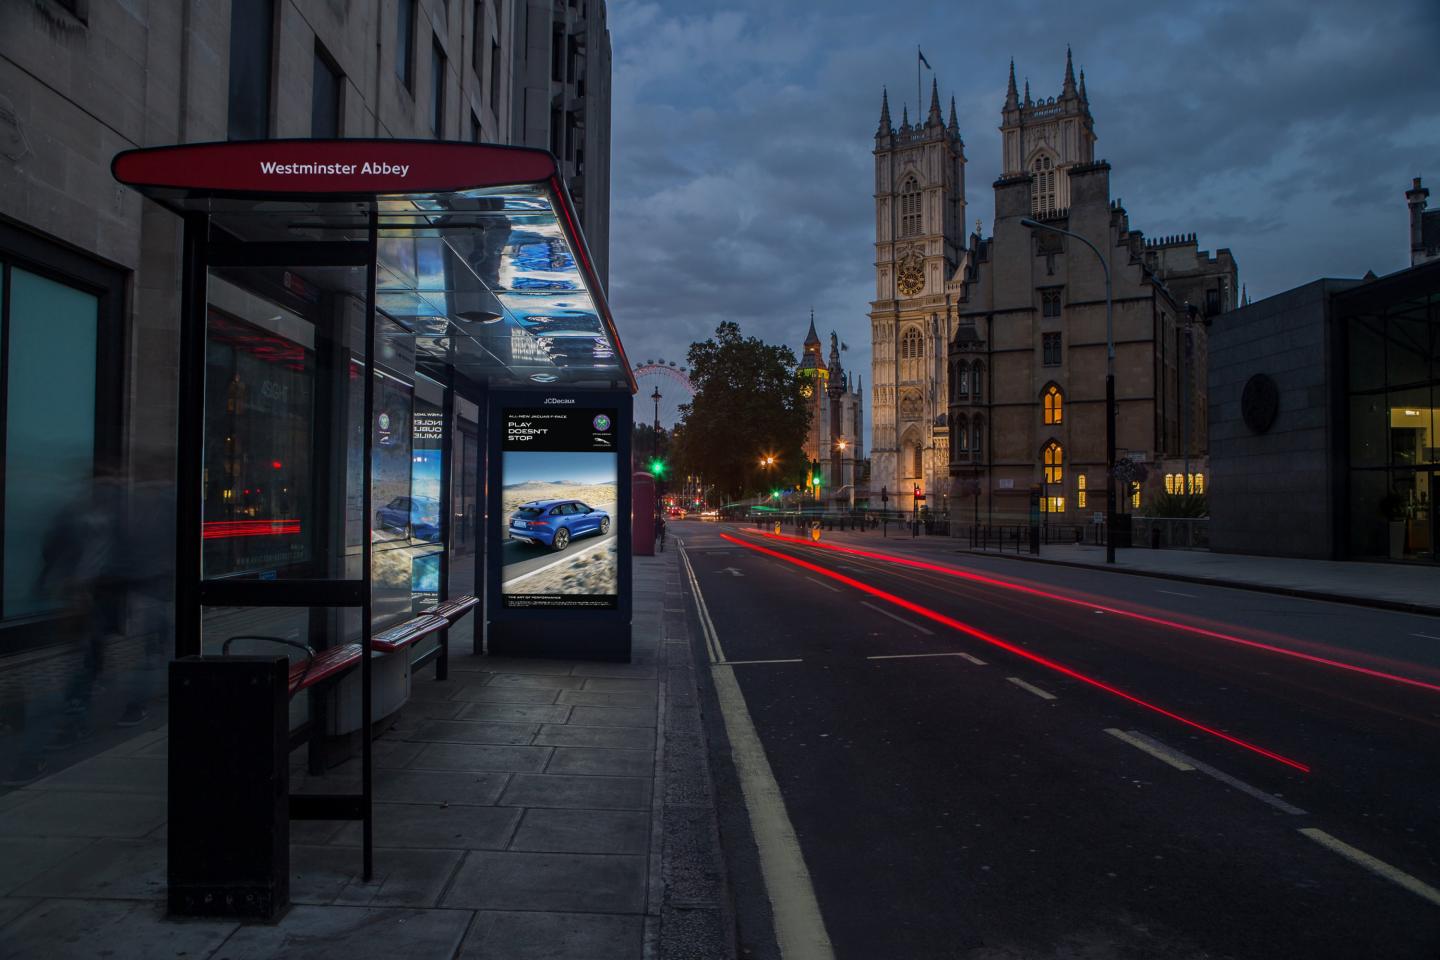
(1411, 588)
(525, 809)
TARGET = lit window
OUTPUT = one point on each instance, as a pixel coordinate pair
(1054, 405)
(1081, 494)
(1042, 197)
(1169, 483)
(1135, 494)
(1053, 504)
(910, 208)
(1198, 483)
(1054, 463)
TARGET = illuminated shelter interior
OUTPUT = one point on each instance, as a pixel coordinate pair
(346, 307)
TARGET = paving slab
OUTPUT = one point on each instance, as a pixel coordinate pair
(110, 774)
(518, 665)
(583, 831)
(106, 869)
(476, 756)
(434, 709)
(485, 693)
(600, 793)
(403, 878)
(635, 699)
(116, 929)
(602, 762)
(467, 731)
(458, 827)
(439, 786)
(503, 935)
(571, 735)
(22, 859)
(315, 932)
(536, 681)
(619, 685)
(426, 689)
(568, 882)
(635, 671)
(81, 814)
(614, 716)
(12, 907)
(516, 712)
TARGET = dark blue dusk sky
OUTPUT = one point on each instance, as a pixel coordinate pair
(742, 136)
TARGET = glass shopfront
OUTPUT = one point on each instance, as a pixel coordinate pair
(1392, 349)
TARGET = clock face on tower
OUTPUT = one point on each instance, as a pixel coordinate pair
(910, 277)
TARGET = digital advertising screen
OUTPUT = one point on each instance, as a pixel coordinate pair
(558, 517)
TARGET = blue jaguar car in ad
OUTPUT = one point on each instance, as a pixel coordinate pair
(554, 523)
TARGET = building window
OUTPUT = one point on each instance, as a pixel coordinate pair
(477, 43)
(437, 89)
(1042, 197)
(1054, 402)
(405, 43)
(1212, 302)
(1054, 463)
(1135, 494)
(1170, 483)
(976, 373)
(495, 76)
(325, 96)
(977, 434)
(912, 345)
(1197, 483)
(1052, 504)
(962, 379)
(1081, 493)
(962, 437)
(252, 24)
(1050, 349)
(910, 208)
(1050, 303)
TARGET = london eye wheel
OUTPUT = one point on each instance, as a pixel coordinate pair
(672, 381)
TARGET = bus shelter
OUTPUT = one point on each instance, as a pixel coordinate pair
(402, 398)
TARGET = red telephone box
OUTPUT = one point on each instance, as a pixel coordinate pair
(642, 514)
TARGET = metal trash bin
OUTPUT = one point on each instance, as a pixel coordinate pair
(229, 791)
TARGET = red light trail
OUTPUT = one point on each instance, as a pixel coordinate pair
(1018, 651)
(227, 529)
(1144, 618)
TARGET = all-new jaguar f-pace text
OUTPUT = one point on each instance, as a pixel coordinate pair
(554, 523)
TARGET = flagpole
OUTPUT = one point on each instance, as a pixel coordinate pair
(917, 81)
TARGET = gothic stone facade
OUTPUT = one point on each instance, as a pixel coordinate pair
(837, 419)
(1027, 358)
(919, 223)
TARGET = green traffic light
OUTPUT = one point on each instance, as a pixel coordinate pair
(657, 468)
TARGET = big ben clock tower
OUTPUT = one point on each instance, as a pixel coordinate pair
(919, 246)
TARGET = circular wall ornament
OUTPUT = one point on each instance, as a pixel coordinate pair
(1260, 403)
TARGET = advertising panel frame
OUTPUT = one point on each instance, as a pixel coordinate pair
(575, 633)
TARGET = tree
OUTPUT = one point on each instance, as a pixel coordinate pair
(747, 405)
(645, 444)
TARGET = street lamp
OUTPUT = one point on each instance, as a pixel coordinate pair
(1109, 384)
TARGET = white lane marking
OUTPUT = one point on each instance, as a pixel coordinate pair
(554, 563)
(912, 626)
(736, 663)
(1156, 752)
(1032, 688)
(1378, 867)
(975, 660)
(733, 571)
(1424, 636)
(916, 656)
(1175, 593)
(827, 586)
(1224, 777)
(707, 626)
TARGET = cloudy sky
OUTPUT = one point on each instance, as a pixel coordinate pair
(1286, 130)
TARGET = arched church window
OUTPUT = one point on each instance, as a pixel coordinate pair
(1054, 402)
(912, 345)
(976, 373)
(910, 208)
(1042, 191)
(1054, 463)
(977, 434)
(919, 465)
(962, 379)
(962, 436)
